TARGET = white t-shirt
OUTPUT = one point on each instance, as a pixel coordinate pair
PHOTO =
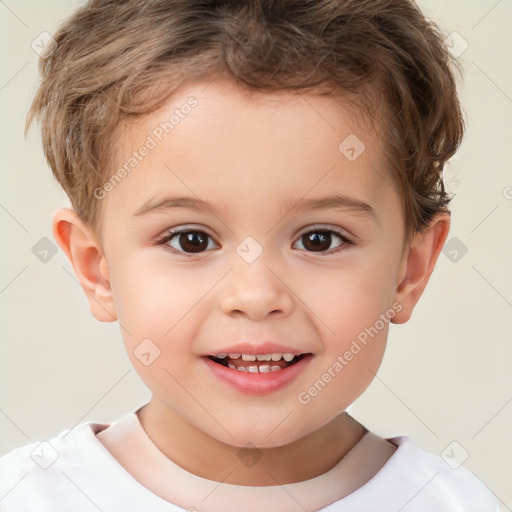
(74, 472)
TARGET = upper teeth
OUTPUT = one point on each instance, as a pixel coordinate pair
(258, 357)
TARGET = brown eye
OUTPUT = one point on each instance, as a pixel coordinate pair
(188, 241)
(323, 241)
(317, 241)
(193, 242)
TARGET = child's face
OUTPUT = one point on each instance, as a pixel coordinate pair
(251, 158)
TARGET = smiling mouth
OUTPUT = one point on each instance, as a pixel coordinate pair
(261, 363)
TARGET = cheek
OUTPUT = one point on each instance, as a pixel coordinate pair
(351, 297)
(151, 297)
(352, 355)
(158, 308)
(353, 307)
(153, 304)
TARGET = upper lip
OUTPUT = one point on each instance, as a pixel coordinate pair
(255, 348)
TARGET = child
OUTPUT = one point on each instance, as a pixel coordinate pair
(257, 192)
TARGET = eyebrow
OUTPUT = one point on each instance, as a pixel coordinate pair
(334, 201)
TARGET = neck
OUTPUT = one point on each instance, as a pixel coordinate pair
(202, 455)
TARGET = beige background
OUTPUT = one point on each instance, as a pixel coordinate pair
(447, 373)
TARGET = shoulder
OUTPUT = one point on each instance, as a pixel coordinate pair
(413, 480)
(71, 471)
(433, 483)
(28, 473)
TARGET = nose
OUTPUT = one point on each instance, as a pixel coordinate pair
(256, 291)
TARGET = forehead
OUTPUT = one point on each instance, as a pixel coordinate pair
(247, 149)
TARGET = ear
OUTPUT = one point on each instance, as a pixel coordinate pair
(79, 244)
(418, 263)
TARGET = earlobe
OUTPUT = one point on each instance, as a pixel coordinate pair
(418, 264)
(79, 244)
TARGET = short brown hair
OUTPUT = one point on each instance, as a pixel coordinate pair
(115, 59)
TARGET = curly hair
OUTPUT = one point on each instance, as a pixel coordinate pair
(117, 59)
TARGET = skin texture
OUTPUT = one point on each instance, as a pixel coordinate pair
(246, 153)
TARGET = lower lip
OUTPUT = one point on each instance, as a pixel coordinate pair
(257, 383)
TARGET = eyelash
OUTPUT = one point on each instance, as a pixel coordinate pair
(346, 242)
